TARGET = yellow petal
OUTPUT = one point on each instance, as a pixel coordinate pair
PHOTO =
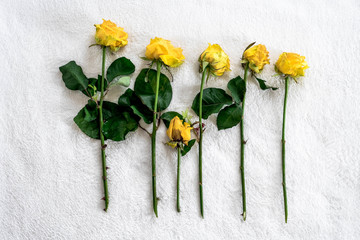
(170, 129)
(160, 48)
(258, 57)
(109, 35)
(175, 128)
(170, 60)
(172, 144)
(179, 131)
(219, 61)
(186, 133)
(291, 64)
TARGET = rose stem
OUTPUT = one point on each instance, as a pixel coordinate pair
(200, 143)
(153, 137)
(243, 142)
(101, 122)
(283, 149)
(178, 181)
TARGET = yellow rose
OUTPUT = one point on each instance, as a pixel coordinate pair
(218, 60)
(257, 56)
(291, 64)
(163, 49)
(109, 35)
(179, 131)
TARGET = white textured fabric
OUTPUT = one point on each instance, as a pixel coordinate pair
(50, 172)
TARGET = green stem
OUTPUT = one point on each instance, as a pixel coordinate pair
(243, 142)
(178, 181)
(153, 137)
(200, 143)
(283, 150)
(101, 122)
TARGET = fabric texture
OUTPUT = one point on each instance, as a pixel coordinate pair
(50, 172)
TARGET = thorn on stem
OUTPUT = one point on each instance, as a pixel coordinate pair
(103, 198)
(107, 168)
(104, 146)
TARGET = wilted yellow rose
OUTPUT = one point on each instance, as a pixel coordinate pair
(257, 56)
(291, 64)
(179, 131)
(163, 49)
(218, 60)
(109, 35)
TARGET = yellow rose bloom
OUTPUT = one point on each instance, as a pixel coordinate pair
(163, 49)
(109, 35)
(291, 64)
(179, 131)
(257, 56)
(219, 61)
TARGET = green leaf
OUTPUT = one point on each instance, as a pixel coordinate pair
(229, 117)
(237, 88)
(263, 85)
(73, 76)
(90, 90)
(123, 81)
(166, 117)
(94, 84)
(118, 126)
(145, 87)
(118, 121)
(111, 109)
(90, 114)
(87, 120)
(213, 100)
(121, 117)
(188, 147)
(129, 99)
(120, 67)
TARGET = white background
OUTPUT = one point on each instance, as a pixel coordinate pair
(50, 172)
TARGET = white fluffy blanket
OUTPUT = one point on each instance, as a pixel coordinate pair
(50, 172)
